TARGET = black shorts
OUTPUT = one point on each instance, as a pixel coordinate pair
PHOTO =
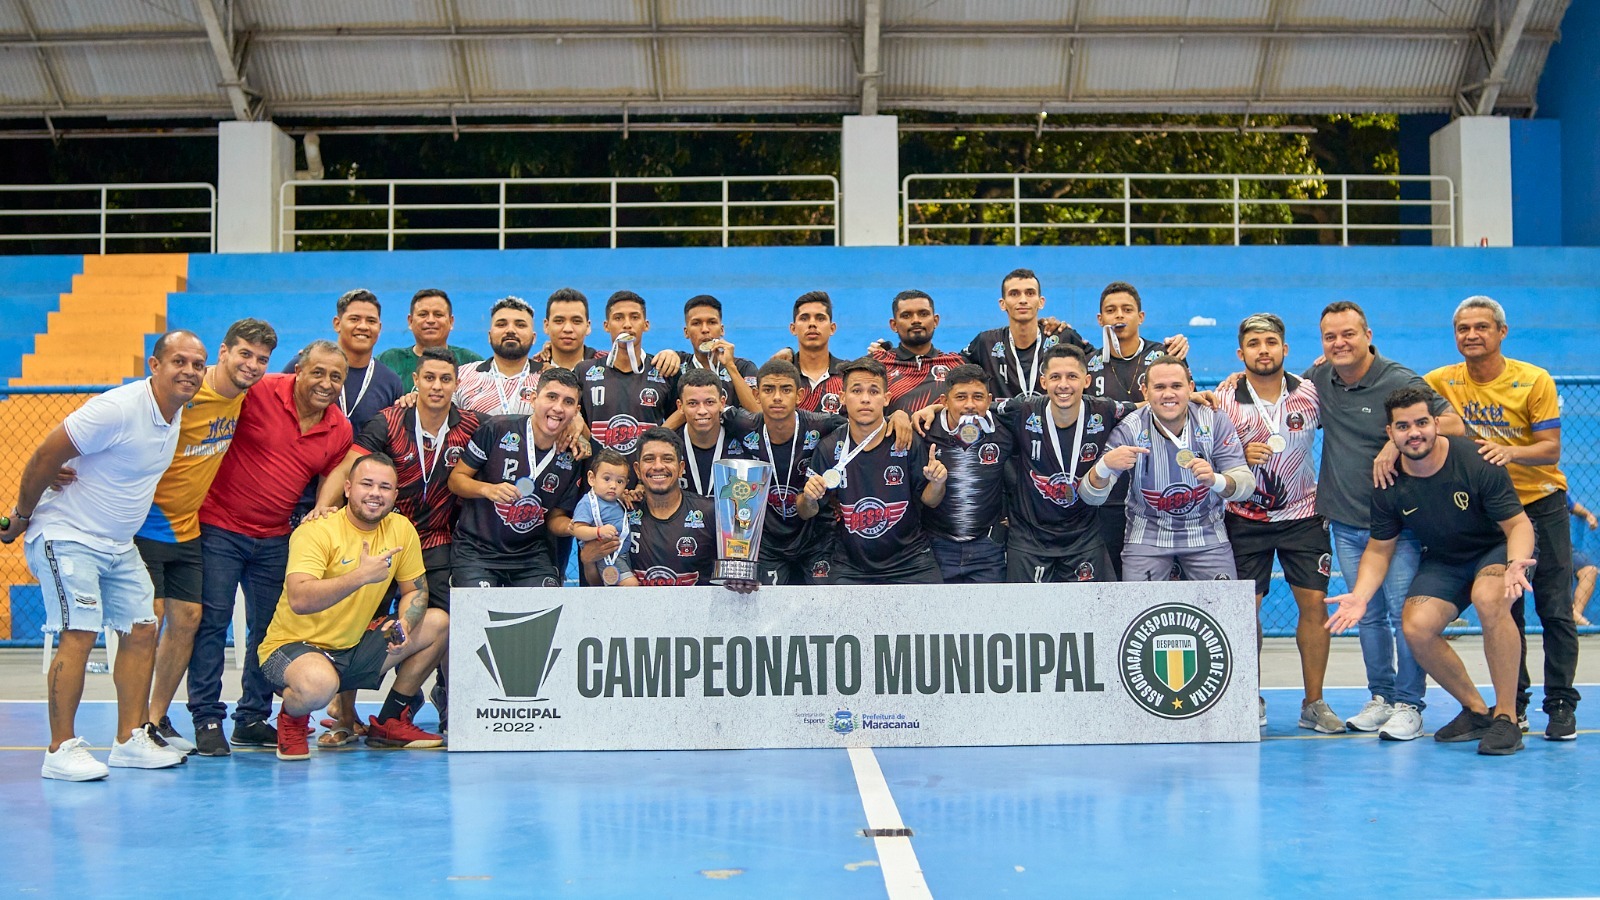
(1452, 581)
(473, 574)
(175, 569)
(918, 568)
(437, 561)
(808, 565)
(360, 667)
(1301, 544)
(1085, 558)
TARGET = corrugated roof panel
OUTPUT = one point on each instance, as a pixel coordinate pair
(321, 15)
(11, 22)
(969, 12)
(1356, 13)
(112, 73)
(113, 16)
(743, 12)
(543, 68)
(584, 13)
(974, 67)
(22, 80)
(371, 69)
(1367, 68)
(1173, 66)
(1547, 14)
(795, 66)
(1522, 79)
(1175, 12)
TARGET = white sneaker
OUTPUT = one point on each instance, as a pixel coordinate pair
(140, 751)
(1372, 716)
(1405, 724)
(72, 761)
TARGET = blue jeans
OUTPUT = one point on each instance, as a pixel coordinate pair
(1392, 673)
(232, 559)
(978, 561)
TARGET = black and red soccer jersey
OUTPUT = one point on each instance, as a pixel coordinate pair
(783, 533)
(914, 381)
(975, 493)
(1046, 511)
(742, 368)
(430, 507)
(878, 507)
(1013, 371)
(1122, 378)
(678, 550)
(620, 406)
(491, 534)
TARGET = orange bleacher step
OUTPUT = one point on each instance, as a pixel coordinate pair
(123, 264)
(101, 369)
(109, 322)
(128, 284)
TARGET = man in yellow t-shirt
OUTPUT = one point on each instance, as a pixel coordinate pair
(1512, 410)
(340, 569)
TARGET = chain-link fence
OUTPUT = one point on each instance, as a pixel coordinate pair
(30, 413)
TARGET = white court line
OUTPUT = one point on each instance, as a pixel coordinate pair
(902, 874)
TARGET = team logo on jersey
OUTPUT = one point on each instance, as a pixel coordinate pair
(595, 373)
(1096, 424)
(1085, 571)
(894, 475)
(812, 437)
(649, 397)
(784, 501)
(870, 517)
(694, 519)
(564, 461)
(1176, 499)
(753, 441)
(750, 380)
(1058, 488)
(655, 376)
(1154, 354)
(1175, 661)
(1089, 452)
(511, 442)
(661, 576)
(523, 516)
(549, 484)
(1050, 340)
(939, 372)
(1034, 424)
(1295, 421)
(1095, 363)
(635, 518)
(829, 404)
(1270, 490)
(998, 351)
(620, 433)
(452, 455)
(1325, 565)
(687, 546)
(989, 454)
(1461, 499)
(820, 569)
(894, 451)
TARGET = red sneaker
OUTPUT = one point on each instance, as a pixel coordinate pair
(400, 733)
(292, 734)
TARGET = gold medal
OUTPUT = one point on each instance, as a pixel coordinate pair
(969, 433)
(1276, 443)
(707, 346)
(610, 575)
(1185, 457)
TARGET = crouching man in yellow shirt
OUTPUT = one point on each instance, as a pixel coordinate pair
(319, 643)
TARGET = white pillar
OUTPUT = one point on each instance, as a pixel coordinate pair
(254, 159)
(870, 185)
(1475, 151)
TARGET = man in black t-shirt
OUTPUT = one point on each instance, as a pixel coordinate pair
(1478, 544)
(968, 539)
(879, 492)
(702, 325)
(672, 534)
(1011, 356)
(518, 488)
(626, 394)
(701, 421)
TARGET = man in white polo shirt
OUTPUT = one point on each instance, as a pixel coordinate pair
(80, 547)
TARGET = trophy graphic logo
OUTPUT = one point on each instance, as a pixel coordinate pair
(518, 653)
(740, 488)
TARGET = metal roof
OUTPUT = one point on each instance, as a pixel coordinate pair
(168, 59)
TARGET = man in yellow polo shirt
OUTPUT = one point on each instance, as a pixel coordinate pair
(340, 569)
(1512, 410)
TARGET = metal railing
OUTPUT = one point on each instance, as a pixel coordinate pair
(1127, 208)
(731, 208)
(108, 217)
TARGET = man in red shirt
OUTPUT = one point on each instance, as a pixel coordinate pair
(290, 432)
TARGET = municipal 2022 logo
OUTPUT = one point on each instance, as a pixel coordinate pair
(1175, 661)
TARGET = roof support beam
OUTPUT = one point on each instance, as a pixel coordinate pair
(222, 48)
(1503, 52)
(458, 53)
(657, 73)
(871, 67)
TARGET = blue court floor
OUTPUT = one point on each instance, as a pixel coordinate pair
(1299, 815)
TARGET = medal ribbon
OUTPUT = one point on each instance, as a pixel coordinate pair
(847, 454)
(1067, 468)
(716, 454)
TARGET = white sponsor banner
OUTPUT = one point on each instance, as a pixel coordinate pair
(701, 668)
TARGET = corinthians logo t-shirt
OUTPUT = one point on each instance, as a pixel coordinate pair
(619, 405)
(878, 509)
(513, 535)
(1455, 512)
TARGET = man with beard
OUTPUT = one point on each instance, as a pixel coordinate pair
(369, 385)
(505, 383)
(1277, 416)
(879, 491)
(710, 349)
(916, 369)
(1478, 545)
(672, 535)
(340, 569)
(625, 393)
(1011, 355)
(290, 432)
(965, 530)
(431, 320)
(1185, 461)
(169, 540)
(518, 488)
(80, 546)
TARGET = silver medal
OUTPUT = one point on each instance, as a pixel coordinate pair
(832, 478)
(1276, 443)
(969, 433)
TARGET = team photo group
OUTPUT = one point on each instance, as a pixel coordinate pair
(344, 495)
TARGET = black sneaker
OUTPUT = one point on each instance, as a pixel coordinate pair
(255, 734)
(1466, 726)
(1503, 738)
(209, 741)
(174, 740)
(440, 695)
(1563, 723)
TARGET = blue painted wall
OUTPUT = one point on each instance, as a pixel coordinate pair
(1536, 183)
(1570, 91)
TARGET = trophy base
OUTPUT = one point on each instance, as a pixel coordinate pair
(735, 570)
